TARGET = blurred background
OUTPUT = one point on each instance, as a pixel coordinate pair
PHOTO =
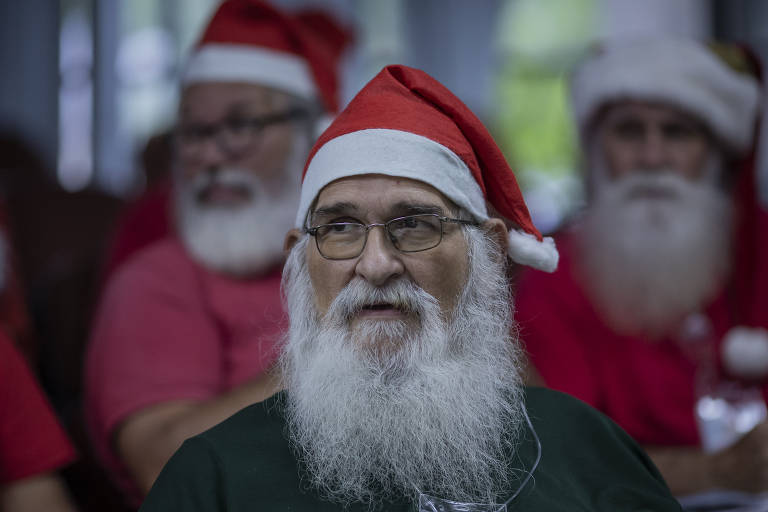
(89, 92)
(88, 82)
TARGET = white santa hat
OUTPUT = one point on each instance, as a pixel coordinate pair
(680, 72)
(251, 41)
(404, 123)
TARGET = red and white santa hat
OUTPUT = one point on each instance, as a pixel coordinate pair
(680, 72)
(404, 123)
(253, 42)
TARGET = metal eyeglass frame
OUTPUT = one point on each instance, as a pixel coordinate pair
(313, 232)
(257, 125)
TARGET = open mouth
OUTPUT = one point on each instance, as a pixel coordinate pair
(379, 307)
(381, 310)
(216, 193)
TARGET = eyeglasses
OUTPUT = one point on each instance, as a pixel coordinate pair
(234, 135)
(413, 233)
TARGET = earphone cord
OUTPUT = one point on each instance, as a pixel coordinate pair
(535, 463)
(530, 473)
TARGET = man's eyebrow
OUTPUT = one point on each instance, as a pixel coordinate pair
(405, 208)
(335, 209)
(247, 106)
(400, 209)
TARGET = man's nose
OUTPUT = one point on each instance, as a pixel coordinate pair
(380, 261)
(653, 153)
(213, 153)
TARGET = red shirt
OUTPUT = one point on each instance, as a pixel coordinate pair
(646, 387)
(168, 329)
(142, 223)
(31, 440)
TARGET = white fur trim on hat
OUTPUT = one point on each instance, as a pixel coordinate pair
(526, 249)
(392, 153)
(680, 72)
(217, 62)
(745, 352)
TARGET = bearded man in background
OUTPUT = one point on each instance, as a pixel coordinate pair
(187, 327)
(663, 268)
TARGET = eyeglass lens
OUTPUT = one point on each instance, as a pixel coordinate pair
(234, 135)
(408, 234)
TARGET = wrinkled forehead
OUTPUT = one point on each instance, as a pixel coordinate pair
(380, 196)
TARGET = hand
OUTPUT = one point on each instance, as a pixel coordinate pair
(743, 465)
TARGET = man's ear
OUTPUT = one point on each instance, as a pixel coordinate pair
(497, 230)
(291, 238)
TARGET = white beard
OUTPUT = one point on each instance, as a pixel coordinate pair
(438, 410)
(245, 239)
(647, 262)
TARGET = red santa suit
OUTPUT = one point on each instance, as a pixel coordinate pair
(169, 329)
(646, 386)
(145, 221)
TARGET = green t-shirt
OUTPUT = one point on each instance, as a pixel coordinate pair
(246, 464)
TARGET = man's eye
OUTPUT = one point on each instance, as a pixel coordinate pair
(405, 223)
(629, 130)
(679, 131)
(337, 229)
(415, 224)
(341, 228)
(237, 124)
(194, 132)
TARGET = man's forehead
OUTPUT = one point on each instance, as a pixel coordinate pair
(376, 191)
(651, 110)
(222, 97)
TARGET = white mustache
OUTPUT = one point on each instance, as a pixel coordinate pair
(402, 295)
(661, 184)
(227, 177)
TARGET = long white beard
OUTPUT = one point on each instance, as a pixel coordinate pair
(439, 409)
(653, 248)
(245, 239)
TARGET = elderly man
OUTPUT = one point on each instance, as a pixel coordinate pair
(401, 372)
(188, 326)
(661, 277)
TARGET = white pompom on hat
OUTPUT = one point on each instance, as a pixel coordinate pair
(404, 123)
(251, 41)
(680, 72)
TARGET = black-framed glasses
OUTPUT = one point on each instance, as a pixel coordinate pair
(234, 135)
(412, 233)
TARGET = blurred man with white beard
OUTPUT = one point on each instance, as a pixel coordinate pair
(187, 328)
(661, 274)
(400, 371)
